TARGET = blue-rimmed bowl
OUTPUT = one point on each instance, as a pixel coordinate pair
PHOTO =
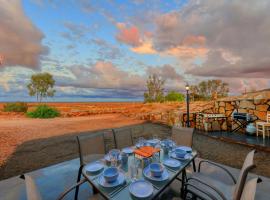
(110, 174)
(180, 153)
(156, 169)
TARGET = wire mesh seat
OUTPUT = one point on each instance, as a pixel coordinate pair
(123, 137)
(208, 187)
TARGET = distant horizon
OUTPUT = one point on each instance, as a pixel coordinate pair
(107, 49)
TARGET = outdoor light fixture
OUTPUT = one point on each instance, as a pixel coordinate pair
(187, 100)
(187, 87)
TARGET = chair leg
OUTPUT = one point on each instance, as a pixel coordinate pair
(263, 128)
(194, 166)
(78, 179)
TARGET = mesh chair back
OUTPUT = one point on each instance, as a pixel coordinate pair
(249, 190)
(91, 147)
(247, 166)
(182, 135)
(123, 137)
(31, 189)
(268, 117)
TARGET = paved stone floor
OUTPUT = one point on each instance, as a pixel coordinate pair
(230, 154)
(53, 180)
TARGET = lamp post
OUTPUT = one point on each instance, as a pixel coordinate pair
(187, 100)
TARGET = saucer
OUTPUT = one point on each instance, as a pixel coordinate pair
(120, 180)
(163, 177)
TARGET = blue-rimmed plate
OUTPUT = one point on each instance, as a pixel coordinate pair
(127, 150)
(141, 189)
(94, 167)
(173, 163)
(185, 148)
(186, 157)
(163, 177)
(119, 181)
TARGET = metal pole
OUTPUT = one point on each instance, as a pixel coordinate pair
(188, 124)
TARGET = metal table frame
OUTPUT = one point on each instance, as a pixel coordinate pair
(106, 195)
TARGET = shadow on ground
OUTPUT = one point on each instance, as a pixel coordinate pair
(39, 153)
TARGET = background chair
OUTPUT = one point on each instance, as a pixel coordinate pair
(91, 148)
(209, 187)
(32, 192)
(250, 189)
(123, 137)
(264, 127)
(183, 136)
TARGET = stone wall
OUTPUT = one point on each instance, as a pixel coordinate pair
(257, 103)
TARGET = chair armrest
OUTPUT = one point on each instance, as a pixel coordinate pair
(62, 195)
(219, 166)
(207, 193)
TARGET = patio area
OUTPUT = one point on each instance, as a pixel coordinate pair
(53, 180)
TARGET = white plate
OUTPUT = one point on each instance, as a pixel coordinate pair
(172, 163)
(141, 189)
(187, 156)
(119, 181)
(163, 177)
(127, 150)
(94, 167)
(185, 148)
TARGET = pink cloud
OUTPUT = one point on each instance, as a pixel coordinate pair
(129, 35)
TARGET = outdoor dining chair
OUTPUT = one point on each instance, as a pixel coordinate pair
(91, 148)
(249, 191)
(183, 136)
(263, 127)
(209, 187)
(32, 192)
(123, 137)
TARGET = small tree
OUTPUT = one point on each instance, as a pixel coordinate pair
(174, 96)
(155, 89)
(41, 86)
(206, 90)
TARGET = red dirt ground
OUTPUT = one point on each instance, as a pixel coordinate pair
(16, 129)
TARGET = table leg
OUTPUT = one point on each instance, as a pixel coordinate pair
(183, 182)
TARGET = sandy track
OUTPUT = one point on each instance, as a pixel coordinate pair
(16, 131)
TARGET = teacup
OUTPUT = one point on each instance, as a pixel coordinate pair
(180, 153)
(156, 169)
(110, 174)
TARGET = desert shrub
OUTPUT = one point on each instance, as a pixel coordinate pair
(16, 107)
(44, 111)
(174, 96)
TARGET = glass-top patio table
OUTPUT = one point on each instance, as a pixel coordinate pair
(122, 191)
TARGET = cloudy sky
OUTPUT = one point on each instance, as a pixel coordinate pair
(105, 50)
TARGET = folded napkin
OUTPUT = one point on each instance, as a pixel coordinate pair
(146, 151)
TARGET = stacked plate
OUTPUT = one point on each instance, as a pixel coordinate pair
(94, 167)
(141, 189)
(172, 163)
